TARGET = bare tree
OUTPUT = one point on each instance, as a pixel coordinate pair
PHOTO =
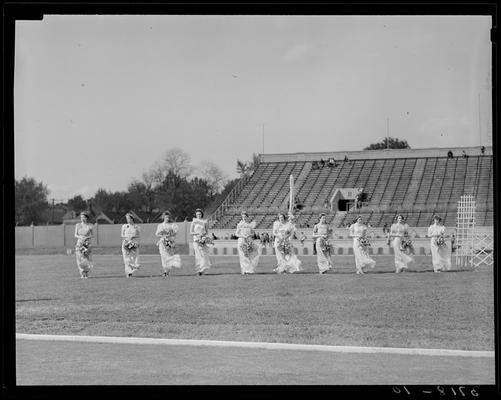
(175, 162)
(213, 175)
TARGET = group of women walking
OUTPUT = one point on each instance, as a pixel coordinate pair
(249, 250)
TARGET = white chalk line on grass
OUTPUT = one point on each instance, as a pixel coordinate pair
(259, 345)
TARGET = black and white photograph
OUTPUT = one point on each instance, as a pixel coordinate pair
(255, 199)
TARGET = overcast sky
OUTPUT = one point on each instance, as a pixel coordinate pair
(98, 99)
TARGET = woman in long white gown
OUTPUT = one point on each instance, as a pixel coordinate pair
(397, 231)
(440, 255)
(286, 258)
(358, 231)
(200, 231)
(248, 249)
(83, 233)
(167, 231)
(130, 245)
(321, 233)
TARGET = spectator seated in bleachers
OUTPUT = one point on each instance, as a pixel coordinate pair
(346, 159)
(322, 163)
(214, 237)
(464, 154)
(314, 165)
(332, 162)
(449, 154)
(482, 150)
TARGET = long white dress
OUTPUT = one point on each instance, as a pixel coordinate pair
(199, 228)
(131, 257)
(248, 263)
(397, 231)
(286, 262)
(440, 256)
(169, 258)
(84, 262)
(361, 257)
(324, 261)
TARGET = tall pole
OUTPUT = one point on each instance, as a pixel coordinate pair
(263, 136)
(387, 133)
(291, 194)
(52, 213)
(479, 120)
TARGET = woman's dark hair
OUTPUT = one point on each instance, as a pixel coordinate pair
(437, 217)
(166, 213)
(281, 214)
(199, 210)
(85, 213)
(131, 216)
(399, 215)
(321, 215)
(244, 213)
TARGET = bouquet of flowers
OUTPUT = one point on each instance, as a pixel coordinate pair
(326, 247)
(130, 245)
(364, 242)
(83, 248)
(204, 241)
(284, 246)
(440, 241)
(406, 243)
(170, 232)
(169, 244)
(248, 246)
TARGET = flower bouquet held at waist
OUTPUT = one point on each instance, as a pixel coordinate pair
(168, 243)
(248, 246)
(204, 240)
(284, 246)
(326, 247)
(406, 243)
(83, 248)
(440, 241)
(364, 242)
(130, 245)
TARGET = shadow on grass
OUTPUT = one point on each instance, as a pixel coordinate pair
(271, 273)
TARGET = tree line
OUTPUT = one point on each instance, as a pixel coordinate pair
(171, 183)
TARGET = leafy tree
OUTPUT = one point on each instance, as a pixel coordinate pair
(30, 201)
(242, 168)
(77, 203)
(111, 202)
(102, 201)
(141, 196)
(248, 168)
(389, 143)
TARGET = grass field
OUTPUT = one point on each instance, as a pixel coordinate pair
(417, 308)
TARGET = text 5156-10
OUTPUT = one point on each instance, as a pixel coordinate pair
(450, 391)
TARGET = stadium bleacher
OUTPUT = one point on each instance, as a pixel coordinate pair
(415, 183)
